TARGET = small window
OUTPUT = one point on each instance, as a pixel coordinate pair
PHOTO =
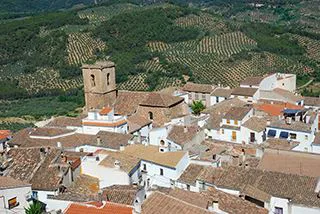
(188, 187)
(144, 166)
(217, 99)
(228, 121)
(150, 115)
(161, 171)
(214, 156)
(235, 122)
(13, 202)
(282, 84)
(81, 150)
(278, 210)
(162, 142)
(306, 137)
(293, 136)
(222, 131)
(245, 97)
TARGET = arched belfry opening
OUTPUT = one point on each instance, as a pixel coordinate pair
(92, 80)
(108, 79)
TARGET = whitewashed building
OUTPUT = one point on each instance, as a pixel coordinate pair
(230, 127)
(15, 195)
(104, 120)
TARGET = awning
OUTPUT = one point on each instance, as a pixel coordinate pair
(272, 133)
(284, 135)
(291, 111)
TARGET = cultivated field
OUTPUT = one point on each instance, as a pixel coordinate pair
(81, 47)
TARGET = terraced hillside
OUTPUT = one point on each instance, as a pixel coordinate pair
(81, 47)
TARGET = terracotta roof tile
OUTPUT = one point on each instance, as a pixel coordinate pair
(277, 143)
(108, 208)
(291, 162)
(191, 174)
(121, 194)
(182, 135)
(312, 101)
(110, 140)
(247, 92)
(30, 166)
(63, 121)
(50, 132)
(222, 92)
(256, 124)
(8, 182)
(295, 125)
(252, 81)
(136, 122)
(161, 100)
(202, 88)
(127, 162)
(276, 109)
(237, 113)
(105, 110)
(84, 189)
(233, 204)
(127, 102)
(158, 202)
(152, 154)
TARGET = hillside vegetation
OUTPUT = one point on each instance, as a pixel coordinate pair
(154, 45)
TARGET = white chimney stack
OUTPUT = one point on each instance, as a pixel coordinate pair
(98, 140)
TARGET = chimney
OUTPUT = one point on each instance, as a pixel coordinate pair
(98, 140)
(121, 147)
(136, 207)
(59, 144)
(117, 164)
(42, 153)
(214, 207)
(185, 129)
(288, 120)
(64, 158)
(268, 122)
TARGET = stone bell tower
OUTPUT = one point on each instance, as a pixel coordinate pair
(99, 82)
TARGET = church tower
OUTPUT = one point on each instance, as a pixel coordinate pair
(99, 82)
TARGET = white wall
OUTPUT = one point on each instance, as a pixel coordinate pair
(153, 172)
(158, 134)
(279, 202)
(268, 83)
(54, 205)
(304, 138)
(107, 176)
(213, 100)
(296, 209)
(245, 135)
(21, 193)
(288, 82)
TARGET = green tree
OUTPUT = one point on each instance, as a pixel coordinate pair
(197, 107)
(34, 208)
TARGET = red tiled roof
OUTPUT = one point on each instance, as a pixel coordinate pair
(105, 110)
(4, 134)
(276, 109)
(108, 208)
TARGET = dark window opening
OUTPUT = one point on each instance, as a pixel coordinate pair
(108, 79)
(150, 115)
(144, 166)
(92, 80)
(161, 171)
